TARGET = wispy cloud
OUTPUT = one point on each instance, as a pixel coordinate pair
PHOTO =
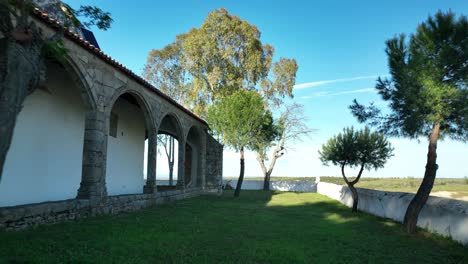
(320, 83)
(365, 90)
(321, 94)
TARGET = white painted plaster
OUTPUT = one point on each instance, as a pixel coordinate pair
(44, 162)
(448, 217)
(284, 186)
(125, 156)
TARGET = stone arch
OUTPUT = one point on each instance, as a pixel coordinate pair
(129, 122)
(170, 124)
(78, 77)
(175, 124)
(56, 112)
(142, 102)
(194, 157)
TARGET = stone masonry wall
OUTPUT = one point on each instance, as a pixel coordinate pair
(214, 163)
(23, 216)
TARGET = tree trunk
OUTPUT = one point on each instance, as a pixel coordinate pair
(21, 66)
(266, 181)
(354, 194)
(351, 184)
(267, 172)
(241, 175)
(171, 174)
(419, 200)
(170, 158)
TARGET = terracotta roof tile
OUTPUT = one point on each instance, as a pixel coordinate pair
(99, 53)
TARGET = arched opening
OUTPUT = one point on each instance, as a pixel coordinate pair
(193, 158)
(168, 153)
(44, 162)
(128, 131)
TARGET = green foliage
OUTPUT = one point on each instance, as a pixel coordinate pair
(164, 68)
(224, 55)
(240, 119)
(357, 148)
(94, 16)
(428, 84)
(55, 49)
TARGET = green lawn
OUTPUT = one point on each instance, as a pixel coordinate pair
(259, 227)
(459, 187)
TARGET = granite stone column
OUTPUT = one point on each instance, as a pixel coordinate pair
(150, 186)
(93, 175)
(202, 169)
(181, 164)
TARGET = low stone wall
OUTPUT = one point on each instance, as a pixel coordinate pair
(447, 217)
(284, 186)
(23, 216)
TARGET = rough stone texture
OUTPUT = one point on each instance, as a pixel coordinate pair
(23, 216)
(214, 163)
(101, 83)
(447, 217)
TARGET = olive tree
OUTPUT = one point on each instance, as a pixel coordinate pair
(361, 149)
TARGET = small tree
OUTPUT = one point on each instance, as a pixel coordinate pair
(168, 144)
(427, 93)
(289, 127)
(240, 121)
(360, 149)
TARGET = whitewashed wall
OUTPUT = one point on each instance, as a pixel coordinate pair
(125, 153)
(45, 158)
(447, 217)
(285, 186)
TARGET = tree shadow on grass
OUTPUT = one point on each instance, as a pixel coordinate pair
(331, 233)
(258, 227)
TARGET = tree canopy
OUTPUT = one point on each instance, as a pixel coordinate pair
(241, 121)
(428, 84)
(363, 149)
(427, 93)
(209, 63)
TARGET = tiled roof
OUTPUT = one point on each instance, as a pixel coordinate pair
(99, 53)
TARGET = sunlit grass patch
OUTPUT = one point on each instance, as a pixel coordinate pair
(258, 227)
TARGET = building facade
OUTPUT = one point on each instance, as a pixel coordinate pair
(79, 143)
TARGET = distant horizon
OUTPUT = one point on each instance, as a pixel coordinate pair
(374, 177)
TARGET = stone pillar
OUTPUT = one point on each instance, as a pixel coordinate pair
(93, 177)
(181, 164)
(202, 163)
(150, 186)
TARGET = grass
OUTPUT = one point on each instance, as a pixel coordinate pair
(459, 187)
(259, 227)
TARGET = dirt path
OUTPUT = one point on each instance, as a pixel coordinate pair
(450, 195)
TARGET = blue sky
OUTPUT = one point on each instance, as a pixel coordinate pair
(339, 46)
